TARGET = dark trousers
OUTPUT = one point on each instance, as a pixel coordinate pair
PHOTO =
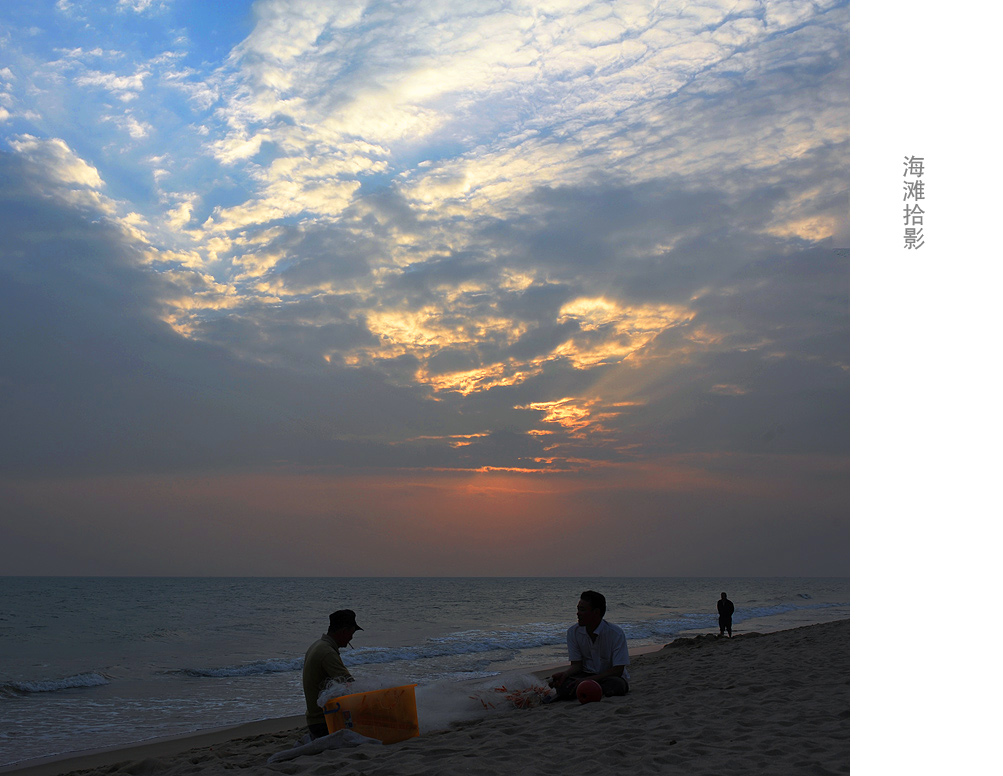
(317, 731)
(611, 685)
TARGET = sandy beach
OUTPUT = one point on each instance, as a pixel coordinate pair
(773, 703)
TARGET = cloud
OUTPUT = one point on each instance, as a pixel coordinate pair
(201, 94)
(92, 378)
(111, 368)
(523, 81)
(566, 242)
(55, 160)
(125, 87)
(139, 6)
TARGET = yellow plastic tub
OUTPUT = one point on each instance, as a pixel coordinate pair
(391, 715)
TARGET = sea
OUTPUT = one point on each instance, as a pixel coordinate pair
(94, 662)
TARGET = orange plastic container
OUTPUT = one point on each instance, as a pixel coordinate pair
(391, 715)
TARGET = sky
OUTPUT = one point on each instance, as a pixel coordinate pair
(290, 287)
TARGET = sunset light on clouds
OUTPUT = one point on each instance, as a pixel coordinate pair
(469, 287)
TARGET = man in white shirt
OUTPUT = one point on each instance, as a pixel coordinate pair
(597, 650)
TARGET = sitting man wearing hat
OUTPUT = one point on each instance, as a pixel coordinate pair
(323, 664)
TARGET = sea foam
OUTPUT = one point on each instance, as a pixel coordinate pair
(91, 679)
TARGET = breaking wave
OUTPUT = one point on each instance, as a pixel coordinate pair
(474, 642)
(91, 679)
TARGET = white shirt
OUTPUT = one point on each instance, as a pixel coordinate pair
(608, 650)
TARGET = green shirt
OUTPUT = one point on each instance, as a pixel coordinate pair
(321, 664)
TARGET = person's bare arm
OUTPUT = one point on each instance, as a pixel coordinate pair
(572, 670)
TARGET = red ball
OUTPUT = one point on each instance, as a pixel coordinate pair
(588, 691)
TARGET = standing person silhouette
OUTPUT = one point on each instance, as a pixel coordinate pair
(725, 609)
